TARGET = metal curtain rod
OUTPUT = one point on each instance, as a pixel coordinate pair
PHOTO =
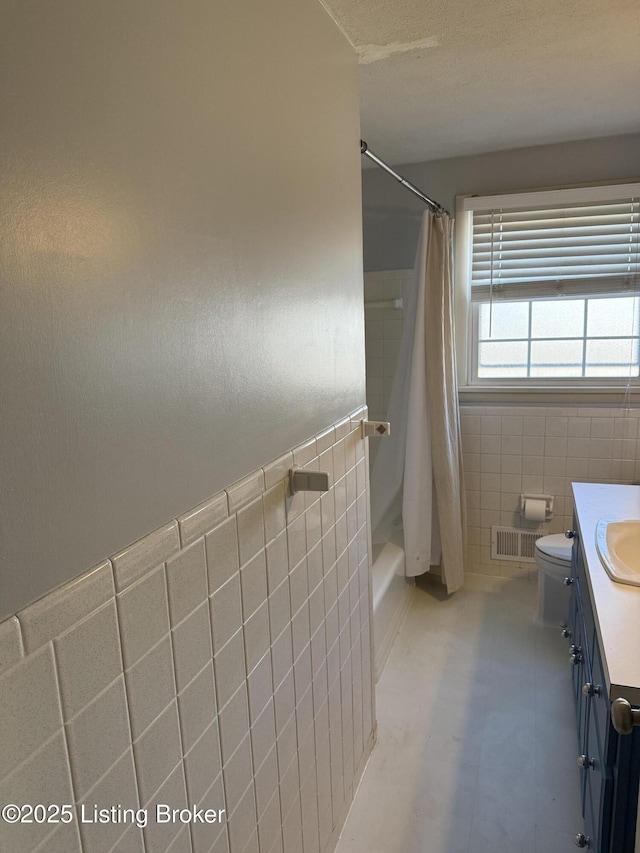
(435, 207)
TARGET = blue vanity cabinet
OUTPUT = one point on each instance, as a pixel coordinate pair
(580, 671)
(608, 763)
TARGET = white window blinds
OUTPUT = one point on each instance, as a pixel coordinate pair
(565, 242)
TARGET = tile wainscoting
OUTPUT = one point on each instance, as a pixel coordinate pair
(223, 661)
(383, 330)
(541, 450)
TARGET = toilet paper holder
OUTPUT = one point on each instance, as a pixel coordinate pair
(548, 500)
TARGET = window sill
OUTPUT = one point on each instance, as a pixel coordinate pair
(550, 394)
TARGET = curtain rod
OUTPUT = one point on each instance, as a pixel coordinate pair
(435, 207)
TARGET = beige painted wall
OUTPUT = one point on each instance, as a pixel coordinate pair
(181, 262)
(392, 215)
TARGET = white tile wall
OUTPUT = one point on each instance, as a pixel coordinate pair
(383, 329)
(542, 450)
(223, 661)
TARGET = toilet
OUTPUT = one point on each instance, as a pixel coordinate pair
(553, 559)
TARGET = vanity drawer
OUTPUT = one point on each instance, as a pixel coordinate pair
(598, 782)
(601, 709)
(580, 668)
(577, 557)
(597, 808)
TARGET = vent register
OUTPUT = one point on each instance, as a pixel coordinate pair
(511, 543)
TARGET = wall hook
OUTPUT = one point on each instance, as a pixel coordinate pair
(301, 480)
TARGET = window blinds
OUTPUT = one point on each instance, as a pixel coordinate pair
(554, 246)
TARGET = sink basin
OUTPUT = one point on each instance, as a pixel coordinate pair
(618, 544)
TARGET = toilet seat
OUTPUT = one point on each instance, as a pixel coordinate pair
(555, 548)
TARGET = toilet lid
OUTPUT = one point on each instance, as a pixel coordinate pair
(557, 545)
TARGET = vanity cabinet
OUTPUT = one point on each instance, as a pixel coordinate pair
(609, 763)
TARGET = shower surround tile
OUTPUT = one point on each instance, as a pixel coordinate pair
(170, 672)
(383, 329)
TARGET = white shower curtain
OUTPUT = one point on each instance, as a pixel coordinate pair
(418, 470)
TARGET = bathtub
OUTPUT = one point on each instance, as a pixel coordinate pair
(391, 594)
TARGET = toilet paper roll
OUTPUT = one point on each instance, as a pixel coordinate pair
(535, 510)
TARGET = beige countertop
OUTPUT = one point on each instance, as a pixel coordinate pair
(616, 606)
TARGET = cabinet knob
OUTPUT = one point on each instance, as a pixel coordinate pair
(566, 633)
(570, 534)
(581, 840)
(575, 658)
(591, 689)
(573, 649)
(567, 581)
(585, 761)
(624, 717)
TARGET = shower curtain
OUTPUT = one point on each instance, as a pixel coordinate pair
(418, 470)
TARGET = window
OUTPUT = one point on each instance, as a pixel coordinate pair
(553, 287)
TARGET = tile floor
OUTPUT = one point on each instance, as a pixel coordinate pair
(477, 743)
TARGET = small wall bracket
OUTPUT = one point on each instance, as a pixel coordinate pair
(374, 428)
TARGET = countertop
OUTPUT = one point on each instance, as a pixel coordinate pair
(616, 606)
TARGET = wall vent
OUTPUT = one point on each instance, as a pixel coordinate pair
(511, 543)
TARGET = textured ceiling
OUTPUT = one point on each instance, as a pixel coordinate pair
(445, 78)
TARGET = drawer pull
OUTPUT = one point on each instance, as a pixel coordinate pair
(591, 689)
(624, 717)
(581, 840)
